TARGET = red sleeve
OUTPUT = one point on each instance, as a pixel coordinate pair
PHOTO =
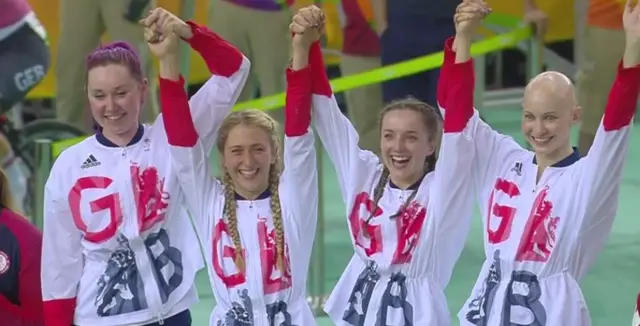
(459, 93)
(176, 114)
(221, 57)
(623, 98)
(321, 85)
(443, 80)
(298, 102)
(30, 286)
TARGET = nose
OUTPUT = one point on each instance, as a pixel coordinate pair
(399, 144)
(538, 129)
(247, 158)
(110, 104)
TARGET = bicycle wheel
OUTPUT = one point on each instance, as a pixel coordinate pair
(43, 129)
(40, 129)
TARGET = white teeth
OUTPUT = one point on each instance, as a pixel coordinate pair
(248, 173)
(540, 140)
(114, 117)
(399, 159)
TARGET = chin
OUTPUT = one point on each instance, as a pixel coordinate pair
(120, 127)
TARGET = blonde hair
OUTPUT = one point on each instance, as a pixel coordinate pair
(6, 198)
(433, 124)
(263, 121)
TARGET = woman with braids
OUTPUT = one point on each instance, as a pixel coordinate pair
(20, 248)
(408, 215)
(257, 223)
(119, 248)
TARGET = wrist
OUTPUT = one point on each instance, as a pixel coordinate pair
(186, 32)
(300, 57)
(462, 40)
(301, 50)
(169, 67)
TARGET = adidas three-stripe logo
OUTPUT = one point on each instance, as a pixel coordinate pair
(90, 162)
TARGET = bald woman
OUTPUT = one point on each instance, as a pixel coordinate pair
(546, 212)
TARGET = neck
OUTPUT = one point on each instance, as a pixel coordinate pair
(406, 183)
(122, 139)
(251, 195)
(545, 161)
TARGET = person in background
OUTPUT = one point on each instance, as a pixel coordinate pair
(82, 24)
(602, 46)
(265, 41)
(395, 20)
(360, 53)
(24, 62)
(533, 15)
(20, 248)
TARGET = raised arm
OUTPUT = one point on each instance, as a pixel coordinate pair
(451, 195)
(491, 147)
(188, 153)
(300, 174)
(62, 259)
(600, 172)
(215, 99)
(338, 136)
(229, 69)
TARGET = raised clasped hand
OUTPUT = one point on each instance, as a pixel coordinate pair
(307, 26)
(468, 17)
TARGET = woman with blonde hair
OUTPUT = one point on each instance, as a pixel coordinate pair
(257, 223)
(20, 247)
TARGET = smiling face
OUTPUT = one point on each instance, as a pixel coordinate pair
(248, 143)
(549, 111)
(408, 137)
(115, 98)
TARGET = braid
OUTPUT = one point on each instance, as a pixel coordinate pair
(274, 181)
(377, 193)
(405, 204)
(232, 221)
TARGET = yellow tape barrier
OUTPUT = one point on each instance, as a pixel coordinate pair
(376, 76)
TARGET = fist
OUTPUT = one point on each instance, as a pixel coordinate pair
(161, 21)
(469, 15)
(307, 26)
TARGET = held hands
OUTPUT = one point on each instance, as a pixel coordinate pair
(631, 23)
(468, 18)
(307, 26)
(162, 30)
(537, 18)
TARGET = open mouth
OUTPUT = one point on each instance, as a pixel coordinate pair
(114, 117)
(540, 141)
(400, 161)
(248, 174)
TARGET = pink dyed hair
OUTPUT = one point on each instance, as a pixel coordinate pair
(118, 52)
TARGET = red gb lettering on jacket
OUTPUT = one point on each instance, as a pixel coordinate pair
(409, 224)
(223, 253)
(357, 221)
(539, 236)
(150, 198)
(505, 214)
(273, 279)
